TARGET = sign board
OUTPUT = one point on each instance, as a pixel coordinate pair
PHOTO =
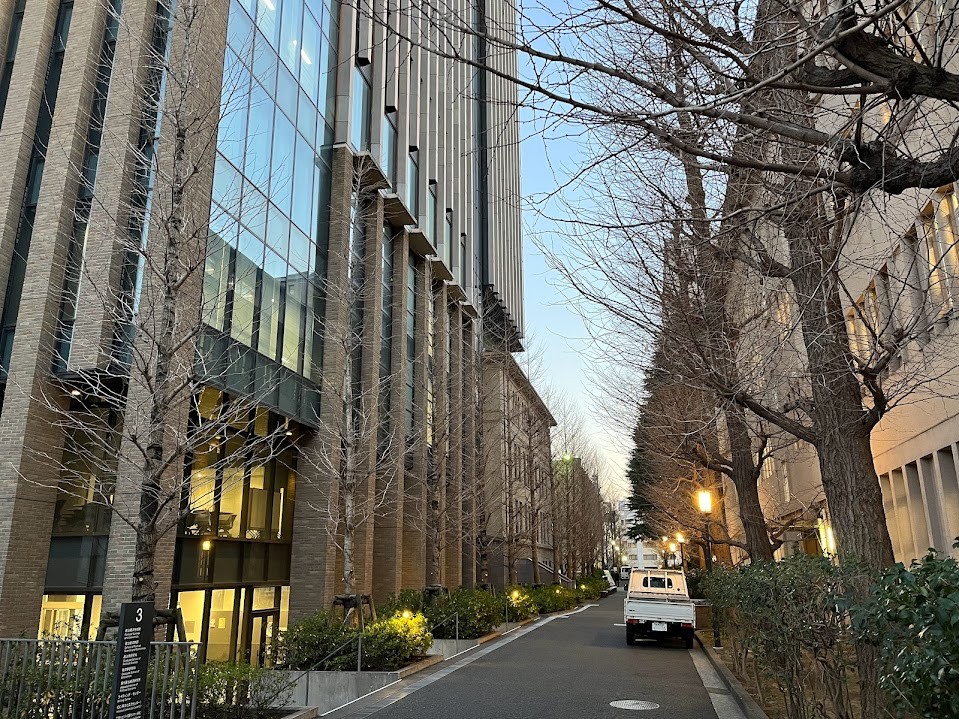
(132, 660)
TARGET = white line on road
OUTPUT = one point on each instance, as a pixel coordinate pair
(724, 704)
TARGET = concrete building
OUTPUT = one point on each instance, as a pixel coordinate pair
(902, 273)
(514, 469)
(346, 156)
(635, 553)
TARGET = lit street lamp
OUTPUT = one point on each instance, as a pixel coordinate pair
(705, 500)
(682, 549)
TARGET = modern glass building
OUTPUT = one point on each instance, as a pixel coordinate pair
(355, 185)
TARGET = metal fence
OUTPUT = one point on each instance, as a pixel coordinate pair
(68, 679)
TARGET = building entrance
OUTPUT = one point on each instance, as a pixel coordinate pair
(261, 637)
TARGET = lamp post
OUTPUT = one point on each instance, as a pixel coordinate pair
(705, 500)
(682, 549)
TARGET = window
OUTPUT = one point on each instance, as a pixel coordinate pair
(290, 31)
(362, 102)
(658, 582)
(13, 40)
(389, 146)
(431, 218)
(410, 343)
(413, 181)
(448, 239)
(70, 616)
(386, 334)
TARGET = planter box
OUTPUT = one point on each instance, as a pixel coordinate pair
(326, 691)
(447, 648)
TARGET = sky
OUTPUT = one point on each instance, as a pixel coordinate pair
(554, 326)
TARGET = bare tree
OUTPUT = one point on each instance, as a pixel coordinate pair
(840, 103)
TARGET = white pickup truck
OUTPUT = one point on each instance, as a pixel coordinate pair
(658, 606)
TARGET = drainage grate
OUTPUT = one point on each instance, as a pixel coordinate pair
(638, 704)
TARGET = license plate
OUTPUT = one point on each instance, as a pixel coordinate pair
(659, 626)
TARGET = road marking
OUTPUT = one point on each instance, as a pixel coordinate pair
(619, 625)
(724, 704)
(635, 704)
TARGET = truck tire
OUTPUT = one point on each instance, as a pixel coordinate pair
(630, 637)
(690, 640)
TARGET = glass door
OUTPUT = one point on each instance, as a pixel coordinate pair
(261, 638)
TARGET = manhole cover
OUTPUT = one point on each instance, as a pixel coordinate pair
(634, 704)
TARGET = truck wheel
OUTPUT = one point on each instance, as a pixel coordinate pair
(630, 637)
(690, 640)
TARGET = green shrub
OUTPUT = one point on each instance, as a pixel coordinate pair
(520, 604)
(591, 587)
(787, 620)
(410, 600)
(554, 598)
(912, 615)
(237, 691)
(390, 643)
(308, 644)
(479, 612)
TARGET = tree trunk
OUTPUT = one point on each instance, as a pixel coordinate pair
(483, 560)
(745, 476)
(841, 424)
(144, 563)
(534, 550)
(433, 536)
(349, 533)
(855, 500)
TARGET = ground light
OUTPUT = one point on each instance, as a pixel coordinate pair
(407, 614)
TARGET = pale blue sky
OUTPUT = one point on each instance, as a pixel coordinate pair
(553, 324)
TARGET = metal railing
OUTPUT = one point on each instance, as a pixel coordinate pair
(455, 616)
(70, 679)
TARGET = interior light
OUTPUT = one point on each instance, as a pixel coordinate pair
(207, 545)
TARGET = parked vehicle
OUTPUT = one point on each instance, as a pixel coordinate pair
(658, 606)
(624, 573)
(607, 575)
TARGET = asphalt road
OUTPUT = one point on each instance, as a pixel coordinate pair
(561, 668)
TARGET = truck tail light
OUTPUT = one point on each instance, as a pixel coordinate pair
(632, 621)
(687, 625)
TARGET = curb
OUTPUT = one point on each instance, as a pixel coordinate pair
(748, 705)
(420, 665)
(301, 713)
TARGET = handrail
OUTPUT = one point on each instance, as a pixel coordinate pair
(450, 616)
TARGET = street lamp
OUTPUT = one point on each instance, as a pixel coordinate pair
(672, 550)
(705, 500)
(682, 549)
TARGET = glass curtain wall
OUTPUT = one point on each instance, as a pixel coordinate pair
(269, 216)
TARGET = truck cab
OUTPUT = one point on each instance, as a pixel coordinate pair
(657, 606)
